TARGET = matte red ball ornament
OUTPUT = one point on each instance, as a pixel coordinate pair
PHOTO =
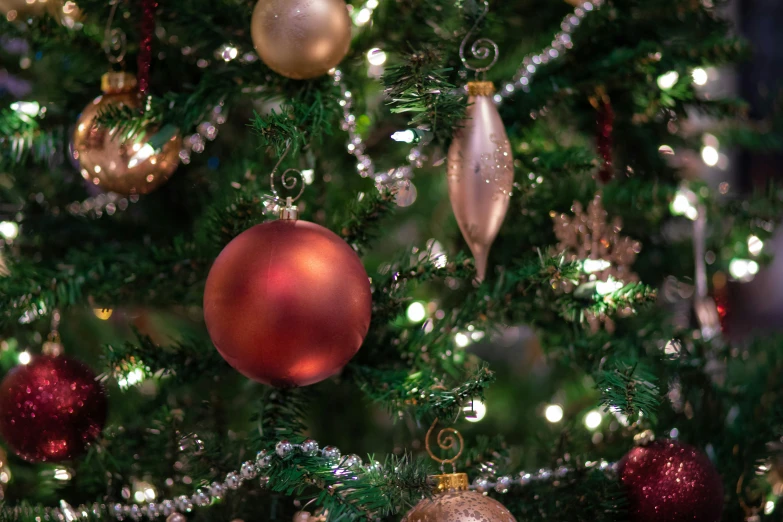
(287, 303)
(668, 481)
(51, 408)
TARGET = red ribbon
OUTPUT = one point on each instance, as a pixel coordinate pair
(147, 29)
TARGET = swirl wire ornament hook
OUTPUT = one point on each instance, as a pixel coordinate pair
(481, 48)
(288, 179)
(447, 439)
(114, 39)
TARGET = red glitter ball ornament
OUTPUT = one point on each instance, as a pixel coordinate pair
(668, 481)
(287, 303)
(51, 408)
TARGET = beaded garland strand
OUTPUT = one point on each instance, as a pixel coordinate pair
(259, 469)
(355, 146)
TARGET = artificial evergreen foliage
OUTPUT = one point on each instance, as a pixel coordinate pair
(181, 418)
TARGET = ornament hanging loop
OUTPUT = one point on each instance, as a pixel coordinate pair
(751, 498)
(289, 179)
(446, 439)
(115, 43)
(481, 49)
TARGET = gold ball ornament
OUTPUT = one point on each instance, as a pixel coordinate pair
(301, 39)
(115, 161)
(14, 9)
(67, 13)
(455, 503)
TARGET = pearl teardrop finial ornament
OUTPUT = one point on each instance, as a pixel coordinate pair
(480, 174)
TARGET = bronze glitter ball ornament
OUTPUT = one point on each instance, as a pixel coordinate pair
(117, 161)
(301, 39)
(452, 500)
(455, 503)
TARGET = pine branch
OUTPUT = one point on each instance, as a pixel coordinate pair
(630, 390)
(390, 294)
(23, 139)
(584, 495)
(114, 274)
(418, 85)
(365, 216)
(420, 392)
(623, 302)
(381, 491)
(183, 361)
(228, 219)
(302, 120)
(279, 416)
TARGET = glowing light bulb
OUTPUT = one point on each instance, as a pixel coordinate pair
(26, 108)
(710, 155)
(362, 17)
(554, 413)
(309, 176)
(743, 269)
(680, 205)
(700, 76)
(755, 245)
(595, 265)
(668, 80)
(9, 229)
(593, 419)
(475, 411)
(376, 56)
(228, 52)
(24, 358)
(461, 339)
(769, 507)
(406, 136)
(607, 287)
(416, 312)
(62, 474)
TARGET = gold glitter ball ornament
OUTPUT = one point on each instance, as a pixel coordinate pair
(455, 503)
(301, 39)
(117, 161)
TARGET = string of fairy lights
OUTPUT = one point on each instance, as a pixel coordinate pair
(398, 177)
(146, 504)
(175, 508)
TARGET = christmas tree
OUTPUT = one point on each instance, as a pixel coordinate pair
(308, 259)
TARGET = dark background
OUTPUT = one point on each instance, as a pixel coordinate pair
(759, 304)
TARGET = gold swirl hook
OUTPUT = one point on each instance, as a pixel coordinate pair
(289, 181)
(481, 48)
(114, 39)
(447, 439)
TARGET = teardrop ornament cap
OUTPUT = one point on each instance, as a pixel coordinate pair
(481, 88)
